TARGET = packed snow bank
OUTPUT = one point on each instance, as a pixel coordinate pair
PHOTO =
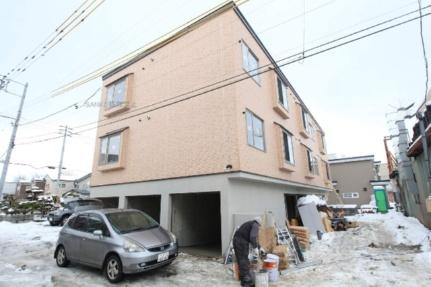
(404, 230)
(311, 199)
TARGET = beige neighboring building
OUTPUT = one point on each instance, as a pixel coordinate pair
(200, 165)
(353, 179)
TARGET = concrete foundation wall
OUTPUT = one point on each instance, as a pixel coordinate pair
(241, 194)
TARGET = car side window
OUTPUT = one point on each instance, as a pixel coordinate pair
(80, 223)
(71, 221)
(95, 222)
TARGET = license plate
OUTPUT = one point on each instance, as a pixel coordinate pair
(163, 257)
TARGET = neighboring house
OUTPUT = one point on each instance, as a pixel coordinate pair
(354, 178)
(200, 166)
(82, 184)
(416, 201)
(70, 180)
(10, 188)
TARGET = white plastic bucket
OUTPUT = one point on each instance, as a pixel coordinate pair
(273, 273)
(261, 279)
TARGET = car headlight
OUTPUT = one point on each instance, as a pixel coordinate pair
(132, 247)
(173, 237)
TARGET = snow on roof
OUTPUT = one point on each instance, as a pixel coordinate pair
(311, 199)
(66, 175)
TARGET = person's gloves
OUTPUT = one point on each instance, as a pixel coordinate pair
(255, 252)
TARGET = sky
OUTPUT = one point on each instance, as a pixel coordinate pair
(349, 90)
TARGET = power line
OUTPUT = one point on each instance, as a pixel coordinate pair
(267, 65)
(43, 43)
(423, 49)
(74, 105)
(61, 31)
(265, 71)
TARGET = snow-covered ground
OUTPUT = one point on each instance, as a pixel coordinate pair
(386, 250)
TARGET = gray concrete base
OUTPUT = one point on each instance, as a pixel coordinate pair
(242, 195)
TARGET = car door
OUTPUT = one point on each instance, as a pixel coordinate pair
(93, 247)
(74, 237)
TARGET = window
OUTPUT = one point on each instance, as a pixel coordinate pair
(250, 62)
(313, 163)
(306, 122)
(116, 94)
(351, 195)
(282, 93)
(288, 147)
(62, 185)
(95, 222)
(110, 149)
(255, 135)
(80, 223)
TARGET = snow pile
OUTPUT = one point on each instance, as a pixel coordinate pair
(404, 230)
(311, 199)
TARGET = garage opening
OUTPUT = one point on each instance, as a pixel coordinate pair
(196, 221)
(150, 204)
(109, 202)
(292, 213)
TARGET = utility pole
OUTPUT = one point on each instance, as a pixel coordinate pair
(65, 130)
(3, 84)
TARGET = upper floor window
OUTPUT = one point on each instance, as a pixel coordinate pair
(313, 163)
(288, 147)
(255, 134)
(250, 62)
(282, 93)
(116, 93)
(110, 149)
(306, 121)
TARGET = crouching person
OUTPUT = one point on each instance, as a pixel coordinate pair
(247, 234)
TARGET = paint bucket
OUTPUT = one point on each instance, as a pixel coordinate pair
(261, 279)
(271, 265)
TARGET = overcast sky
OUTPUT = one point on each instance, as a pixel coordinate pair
(348, 90)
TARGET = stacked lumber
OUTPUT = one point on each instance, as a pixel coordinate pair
(282, 251)
(267, 238)
(326, 221)
(302, 235)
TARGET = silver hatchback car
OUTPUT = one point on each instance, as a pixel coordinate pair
(118, 241)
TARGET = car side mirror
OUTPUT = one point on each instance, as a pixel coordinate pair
(98, 233)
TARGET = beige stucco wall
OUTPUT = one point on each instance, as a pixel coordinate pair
(352, 177)
(205, 134)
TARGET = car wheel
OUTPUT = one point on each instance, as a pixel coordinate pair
(52, 223)
(113, 269)
(64, 220)
(61, 257)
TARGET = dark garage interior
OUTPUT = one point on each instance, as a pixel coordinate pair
(109, 202)
(196, 221)
(150, 204)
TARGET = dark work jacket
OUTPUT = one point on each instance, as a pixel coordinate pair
(248, 232)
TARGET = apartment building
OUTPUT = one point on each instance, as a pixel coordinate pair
(201, 162)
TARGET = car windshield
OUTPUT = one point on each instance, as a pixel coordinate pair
(129, 221)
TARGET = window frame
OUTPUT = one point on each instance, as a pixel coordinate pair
(353, 195)
(124, 95)
(245, 66)
(105, 229)
(290, 149)
(106, 157)
(253, 115)
(284, 95)
(312, 162)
